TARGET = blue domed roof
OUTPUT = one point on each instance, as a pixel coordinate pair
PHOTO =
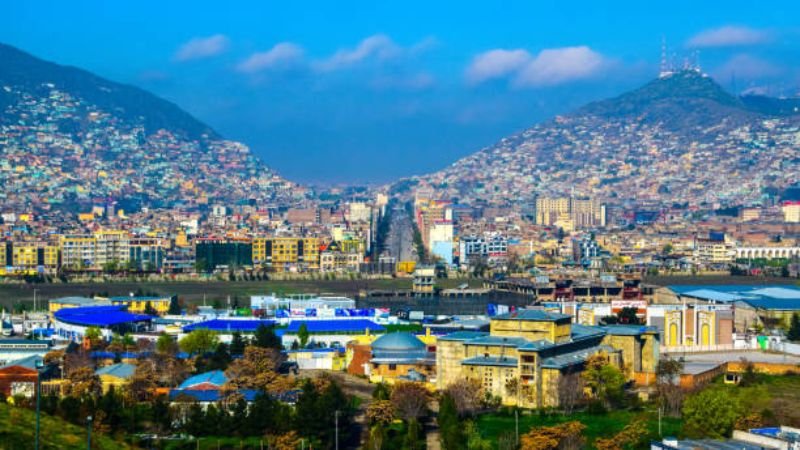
(397, 341)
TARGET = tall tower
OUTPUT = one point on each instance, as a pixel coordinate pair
(665, 69)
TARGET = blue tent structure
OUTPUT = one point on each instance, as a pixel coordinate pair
(335, 326)
(229, 325)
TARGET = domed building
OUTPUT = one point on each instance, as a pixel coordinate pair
(401, 356)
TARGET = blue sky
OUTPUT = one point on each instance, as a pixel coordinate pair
(352, 92)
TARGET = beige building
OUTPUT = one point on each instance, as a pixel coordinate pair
(523, 357)
(569, 212)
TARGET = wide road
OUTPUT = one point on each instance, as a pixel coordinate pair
(400, 240)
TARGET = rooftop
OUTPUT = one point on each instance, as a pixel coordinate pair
(533, 314)
(334, 326)
(120, 370)
(100, 316)
(229, 325)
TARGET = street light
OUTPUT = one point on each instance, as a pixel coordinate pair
(88, 432)
(39, 369)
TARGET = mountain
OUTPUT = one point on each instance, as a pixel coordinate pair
(26, 72)
(69, 138)
(679, 139)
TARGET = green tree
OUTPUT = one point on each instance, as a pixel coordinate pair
(237, 343)
(711, 413)
(794, 328)
(452, 434)
(265, 337)
(627, 315)
(166, 345)
(303, 335)
(199, 341)
(94, 335)
(149, 310)
(605, 381)
(174, 306)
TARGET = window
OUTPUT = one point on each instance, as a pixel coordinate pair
(392, 366)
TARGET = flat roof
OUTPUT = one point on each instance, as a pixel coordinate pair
(334, 326)
(229, 325)
(100, 316)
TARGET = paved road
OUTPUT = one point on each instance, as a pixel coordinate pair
(400, 240)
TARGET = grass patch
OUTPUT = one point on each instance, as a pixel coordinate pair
(492, 426)
(18, 428)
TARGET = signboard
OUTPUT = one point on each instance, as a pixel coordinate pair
(640, 305)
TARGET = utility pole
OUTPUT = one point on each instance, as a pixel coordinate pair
(34, 300)
(516, 424)
(336, 419)
(38, 397)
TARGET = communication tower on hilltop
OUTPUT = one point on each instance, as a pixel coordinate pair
(666, 67)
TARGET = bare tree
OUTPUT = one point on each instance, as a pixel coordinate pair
(410, 400)
(467, 395)
(670, 394)
(570, 390)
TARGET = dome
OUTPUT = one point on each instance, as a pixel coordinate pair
(398, 341)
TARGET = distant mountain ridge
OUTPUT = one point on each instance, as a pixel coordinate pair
(678, 139)
(69, 138)
(26, 71)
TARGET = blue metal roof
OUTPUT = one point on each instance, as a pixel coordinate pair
(211, 395)
(335, 326)
(504, 341)
(463, 335)
(780, 297)
(229, 325)
(503, 361)
(533, 314)
(215, 377)
(120, 370)
(99, 316)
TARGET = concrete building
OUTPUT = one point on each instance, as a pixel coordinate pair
(524, 355)
(286, 253)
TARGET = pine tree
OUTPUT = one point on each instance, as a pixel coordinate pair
(265, 337)
(794, 328)
(174, 306)
(237, 344)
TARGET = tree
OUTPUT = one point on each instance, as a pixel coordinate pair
(467, 394)
(237, 344)
(451, 434)
(258, 369)
(410, 400)
(711, 413)
(667, 249)
(199, 342)
(265, 337)
(632, 436)
(174, 306)
(165, 345)
(303, 335)
(94, 336)
(83, 382)
(627, 315)
(670, 394)
(567, 435)
(149, 310)
(794, 328)
(570, 390)
(143, 382)
(605, 381)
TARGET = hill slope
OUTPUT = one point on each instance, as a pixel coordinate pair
(69, 138)
(678, 139)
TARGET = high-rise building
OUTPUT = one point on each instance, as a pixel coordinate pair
(791, 211)
(581, 213)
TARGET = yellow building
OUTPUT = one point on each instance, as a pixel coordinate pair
(78, 252)
(525, 354)
(112, 247)
(20, 258)
(116, 375)
(286, 253)
(139, 304)
(569, 212)
(73, 302)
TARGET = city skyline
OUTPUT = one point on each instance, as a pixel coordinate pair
(379, 93)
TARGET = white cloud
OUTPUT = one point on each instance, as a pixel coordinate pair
(496, 63)
(550, 67)
(747, 67)
(556, 66)
(378, 47)
(202, 47)
(282, 55)
(729, 36)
